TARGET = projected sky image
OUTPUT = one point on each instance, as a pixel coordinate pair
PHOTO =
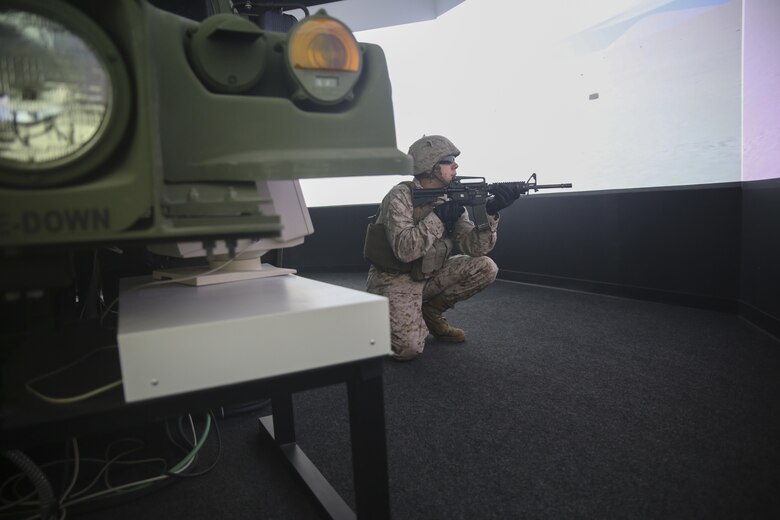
(761, 111)
(607, 95)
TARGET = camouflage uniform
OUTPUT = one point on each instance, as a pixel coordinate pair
(460, 277)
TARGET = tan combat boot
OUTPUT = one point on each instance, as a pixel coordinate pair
(432, 314)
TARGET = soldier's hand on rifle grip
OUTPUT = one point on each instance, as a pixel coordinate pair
(449, 213)
(503, 196)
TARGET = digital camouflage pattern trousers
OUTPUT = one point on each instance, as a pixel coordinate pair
(460, 278)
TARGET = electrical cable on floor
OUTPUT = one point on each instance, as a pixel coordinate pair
(75, 398)
(39, 480)
(76, 467)
(109, 461)
(219, 451)
(130, 487)
(47, 505)
(169, 434)
(187, 442)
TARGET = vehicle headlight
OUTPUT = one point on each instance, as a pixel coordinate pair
(324, 58)
(64, 93)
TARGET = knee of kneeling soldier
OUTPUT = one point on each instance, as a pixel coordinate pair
(489, 268)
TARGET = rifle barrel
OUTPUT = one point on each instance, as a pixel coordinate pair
(548, 186)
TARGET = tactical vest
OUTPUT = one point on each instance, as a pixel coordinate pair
(378, 251)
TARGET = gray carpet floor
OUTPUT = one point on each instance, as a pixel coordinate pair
(560, 405)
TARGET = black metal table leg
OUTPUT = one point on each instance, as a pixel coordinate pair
(284, 420)
(369, 444)
(280, 427)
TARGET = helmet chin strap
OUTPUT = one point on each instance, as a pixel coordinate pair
(436, 174)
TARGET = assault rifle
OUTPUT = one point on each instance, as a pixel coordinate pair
(475, 192)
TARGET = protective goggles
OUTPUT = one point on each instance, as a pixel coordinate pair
(449, 159)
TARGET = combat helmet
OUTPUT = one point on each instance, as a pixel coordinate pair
(429, 150)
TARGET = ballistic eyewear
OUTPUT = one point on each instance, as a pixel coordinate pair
(447, 160)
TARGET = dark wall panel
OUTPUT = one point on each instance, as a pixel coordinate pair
(760, 288)
(337, 242)
(679, 245)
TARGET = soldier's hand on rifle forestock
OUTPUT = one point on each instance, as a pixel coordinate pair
(503, 196)
(449, 213)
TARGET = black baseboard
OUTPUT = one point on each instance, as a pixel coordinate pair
(623, 291)
(755, 316)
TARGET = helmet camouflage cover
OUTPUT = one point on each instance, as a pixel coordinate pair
(427, 151)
